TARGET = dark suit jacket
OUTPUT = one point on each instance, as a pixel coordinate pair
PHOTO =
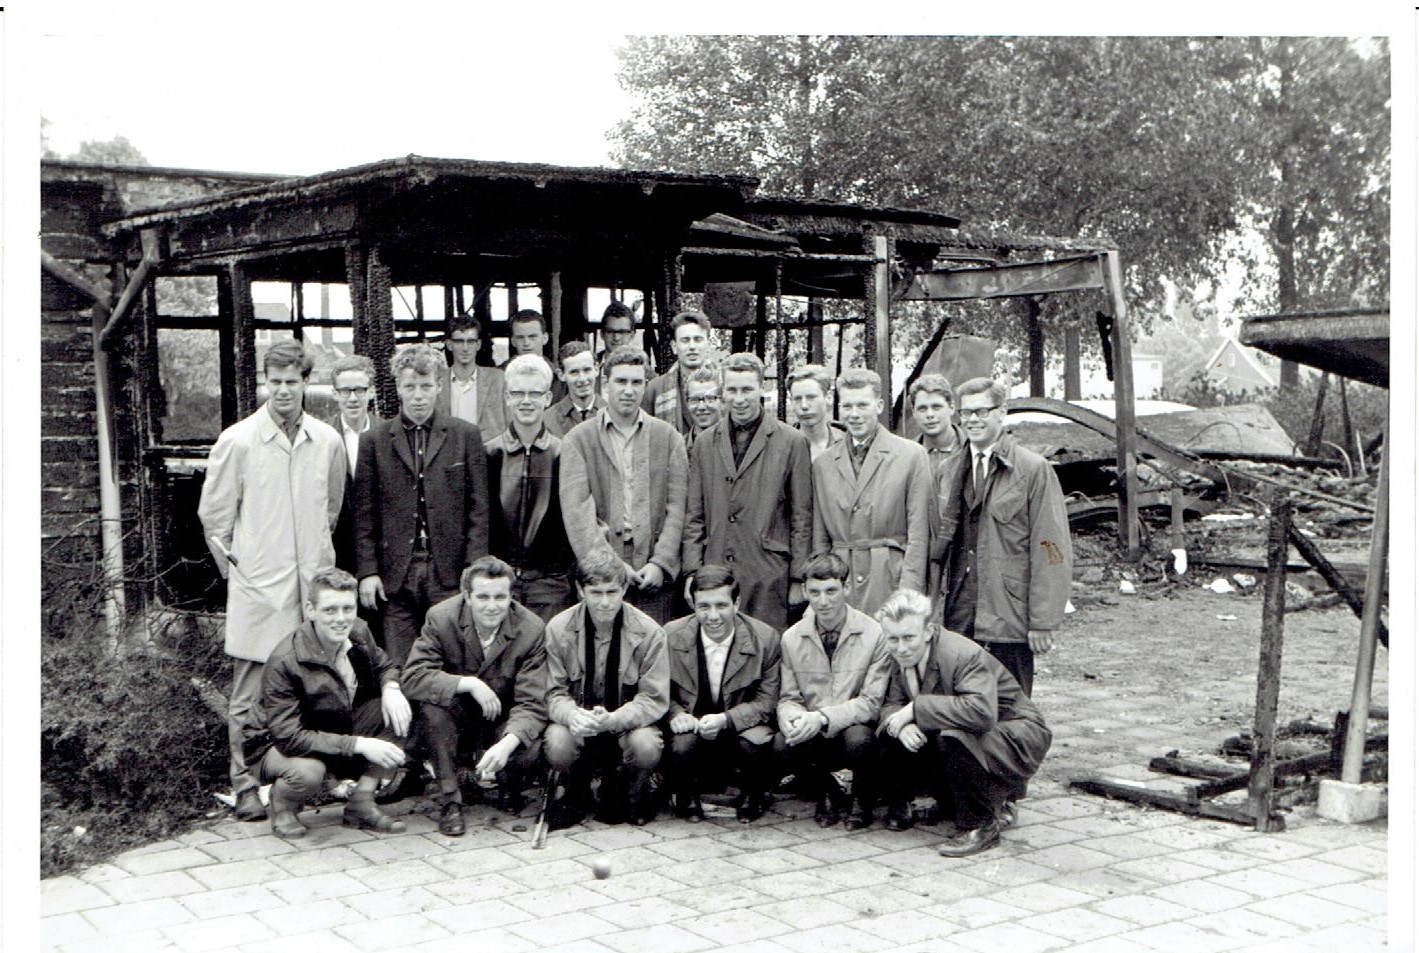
(749, 689)
(386, 500)
(515, 668)
(561, 417)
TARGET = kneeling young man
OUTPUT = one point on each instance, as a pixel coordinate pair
(724, 682)
(958, 720)
(834, 675)
(479, 671)
(608, 680)
(330, 703)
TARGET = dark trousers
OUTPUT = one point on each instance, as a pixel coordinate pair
(693, 764)
(854, 747)
(461, 729)
(964, 790)
(628, 758)
(404, 617)
(1018, 660)
(660, 604)
(301, 777)
(546, 594)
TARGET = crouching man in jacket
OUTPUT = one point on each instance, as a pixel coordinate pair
(330, 704)
(479, 672)
(957, 719)
(608, 681)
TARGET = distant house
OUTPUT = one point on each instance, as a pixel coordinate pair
(1234, 369)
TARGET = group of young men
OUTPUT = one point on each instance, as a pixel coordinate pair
(646, 576)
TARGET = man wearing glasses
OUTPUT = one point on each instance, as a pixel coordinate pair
(526, 529)
(703, 402)
(467, 391)
(1006, 579)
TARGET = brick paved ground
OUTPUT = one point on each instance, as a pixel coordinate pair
(1078, 873)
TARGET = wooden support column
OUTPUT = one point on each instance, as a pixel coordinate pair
(815, 331)
(356, 261)
(379, 312)
(226, 347)
(1127, 435)
(512, 305)
(1353, 447)
(1268, 673)
(1317, 431)
(877, 334)
(244, 338)
(554, 312)
(781, 384)
(761, 322)
(1354, 758)
(450, 305)
(1035, 333)
(667, 304)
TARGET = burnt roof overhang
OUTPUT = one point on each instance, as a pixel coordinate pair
(1353, 343)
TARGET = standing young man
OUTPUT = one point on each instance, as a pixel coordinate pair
(353, 379)
(528, 335)
(421, 502)
(623, 482)
(750, 499)
(704, 402)
(932, 404)
(872, 498)
(467, 391)
(810, 395)
(690, 343)
(582, 400)
(270, 502)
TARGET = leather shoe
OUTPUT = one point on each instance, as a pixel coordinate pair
(565, 812)
(451, 819)
(1006, 815)
(859, 818)
(826, 814)
(899, 817)
(966, 843)
(409, 783)
(754, 807)
(688, 806)
(249, 806)
(363, 814)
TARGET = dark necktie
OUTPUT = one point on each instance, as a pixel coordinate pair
(979, 486)
(830, 643)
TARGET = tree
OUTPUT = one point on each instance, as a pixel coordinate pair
(115, 151)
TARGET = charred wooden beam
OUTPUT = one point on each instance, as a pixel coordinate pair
(1268, 676)
(1181, 803)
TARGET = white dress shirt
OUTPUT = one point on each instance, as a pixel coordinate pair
(716, 657)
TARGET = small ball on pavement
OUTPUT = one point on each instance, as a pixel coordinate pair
(601, 867)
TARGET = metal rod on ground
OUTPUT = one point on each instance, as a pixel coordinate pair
(1175, 502)
(1369, 625)
(1268, 672)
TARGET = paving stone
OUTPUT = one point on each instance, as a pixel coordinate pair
(395, 902)
(725, 897)
(102, 873)
(151, 940)
(840, 938)
(485, 861)
(839, 850)
(1185, 838)
(1246, 924)
(1068, 858)
(646, 911)
(734, 928)
(249, 848)
(156, 847)
(1218, 859)
(1144, 910)
(579, 946)
(65, 928)
(388, 850)
(1106, 882)
(627, 860)
(641, 883)
(232, 900)
(322, 860)
(316, 887)
(1126, 846)
(972, 912)
(1273, 847)
(1108, 944)
(69, 895)
(1306, 911)
(662, 938)
(557, 900)
(1063, 807)
(1331, 836)
(1202, 896)
(300, 918)
(324, 941)
(1076, 924)
(1184, 938)
(869, 902)
(556, 873)
(756, 837)
(568, 928)
(163, 861)
(392, 933)
(1007, 872)
(496, 940)
(479, 838)
(1042, 897)
(617, 837)
(1100, 825)
(237, 874)
(174, 883)
(1163, 869)
(1313, 871)
(404, 873)
(1258, 883)
(918, 860)
(1369, 897)
(1042, 835)
(1350, 937)
(946, 886)
(483, 915)
(198, 836)
(1364, 858)
(789, 886)
(144, 915)
(219, 932)
(772, 861)
(806, 913)
(689, 851)
(1007, 936)
(460, 890)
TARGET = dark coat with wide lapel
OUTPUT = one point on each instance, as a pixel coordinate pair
(756, 518)
(386, 500)
(515, 667)
(562, 416)
(749, 688)
(967, 694)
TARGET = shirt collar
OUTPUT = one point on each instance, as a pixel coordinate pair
(867, 442)
(711, 645)
(515, 444)
(607, 423)
(346, 428)
(408, 424)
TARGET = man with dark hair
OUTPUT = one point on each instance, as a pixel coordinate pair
(932, 402)
(690, 343)
(523, 474)
(479, 670)
(872, 498)
(724, 684)
(956, 722)
(618, 327)
(834, 674)
(528, 333)
(623, 486)
(810, 395)
(467, 391)
(421, 502)
(270, 501)
(750, 500)
(330, 703)
(582, 401)
(608, 682)
(1007, 578)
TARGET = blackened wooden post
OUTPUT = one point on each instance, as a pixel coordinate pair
(815, 331)
(782, 372)
(450, 306)
(1072, 388)
(1035, 333)
(244, 336)
(226, 347)
(879, 329)
(1127, 436)
(1268, 671)
(1175, 504)
(379, 312)
(355, 262)
(761, 322)
(1317, 431)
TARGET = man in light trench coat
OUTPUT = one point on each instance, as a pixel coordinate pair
(270, 502)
